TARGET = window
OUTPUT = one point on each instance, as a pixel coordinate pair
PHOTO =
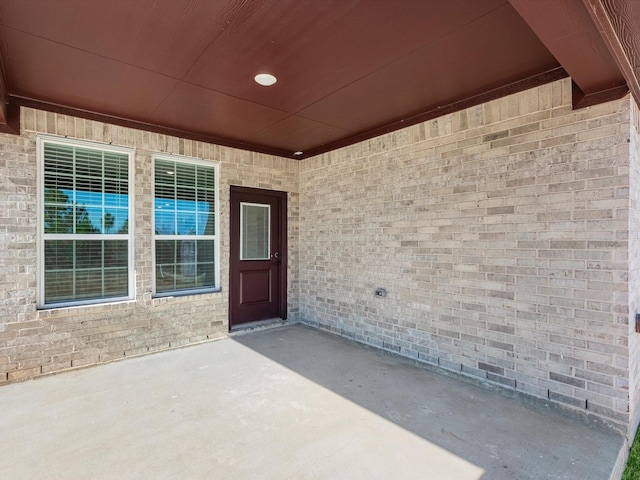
(255, 227)
(85, 223)
(184, 223)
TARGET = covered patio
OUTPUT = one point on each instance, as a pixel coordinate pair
(288, 403)
(454, 184)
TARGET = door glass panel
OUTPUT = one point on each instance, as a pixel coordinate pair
(254, 231)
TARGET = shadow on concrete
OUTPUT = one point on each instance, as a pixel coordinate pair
(289, 403)
(507, 437)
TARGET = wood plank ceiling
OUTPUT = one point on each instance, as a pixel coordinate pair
(347, 69)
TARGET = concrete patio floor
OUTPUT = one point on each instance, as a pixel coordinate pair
(286, 403)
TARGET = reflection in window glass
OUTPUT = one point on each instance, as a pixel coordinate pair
(184, 225)
(184, 265)
(75, 198)
(86, 192)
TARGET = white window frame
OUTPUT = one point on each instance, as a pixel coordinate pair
(216, 211)
(41, 236)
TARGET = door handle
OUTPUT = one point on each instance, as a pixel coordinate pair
(276, 258)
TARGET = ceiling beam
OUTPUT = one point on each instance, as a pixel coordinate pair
(553, 75)
(15, 102)
(566, 28)
(9, 115)
(622, 39)
(4, 96)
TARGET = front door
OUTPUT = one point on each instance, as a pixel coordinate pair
(258, 255)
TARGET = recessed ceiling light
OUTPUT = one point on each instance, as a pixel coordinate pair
(298, 153)
(265, 79)
(170, 172)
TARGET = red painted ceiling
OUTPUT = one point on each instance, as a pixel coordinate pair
(347, 69)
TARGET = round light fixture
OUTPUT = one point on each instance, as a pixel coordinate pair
(265, 79)
(298, 153)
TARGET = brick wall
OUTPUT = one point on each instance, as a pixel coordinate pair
(500, 233)
(34, 342)
(634, 268)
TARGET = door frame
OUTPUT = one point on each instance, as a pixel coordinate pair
(283, 250)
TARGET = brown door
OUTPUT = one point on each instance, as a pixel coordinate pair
(258, 255)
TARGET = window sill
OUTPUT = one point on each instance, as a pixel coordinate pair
(185, 293)
(101, 303)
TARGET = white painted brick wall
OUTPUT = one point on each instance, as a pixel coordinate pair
(501, 235)
(34, 342)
